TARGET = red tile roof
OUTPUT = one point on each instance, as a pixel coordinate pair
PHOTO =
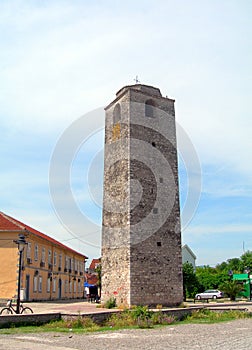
(94, 263)
(7, 223)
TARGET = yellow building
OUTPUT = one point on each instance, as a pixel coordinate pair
(49, 270)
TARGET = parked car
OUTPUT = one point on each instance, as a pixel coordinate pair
(210, 294)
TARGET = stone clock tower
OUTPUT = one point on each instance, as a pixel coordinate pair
(141, 237)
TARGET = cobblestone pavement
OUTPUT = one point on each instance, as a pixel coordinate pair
(219, 336)
(78, 306)
(65, 307)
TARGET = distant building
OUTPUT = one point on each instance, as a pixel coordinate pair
(93, 266)
(50, 270)
(92, 280)
(188, 256)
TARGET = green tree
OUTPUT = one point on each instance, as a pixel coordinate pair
(234, 265)
(211, 277)
(223, 267)
(190, 281)
(207, 277)
(232, 289)
(246, 261)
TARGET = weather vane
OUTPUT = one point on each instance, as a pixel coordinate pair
(136, 79)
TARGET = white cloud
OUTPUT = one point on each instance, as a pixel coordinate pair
(207, 230)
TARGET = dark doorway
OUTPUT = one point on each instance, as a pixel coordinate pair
(60, 288)
(27, 287)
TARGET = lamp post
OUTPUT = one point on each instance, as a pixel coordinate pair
(21, 242)
(230, 274)
(247, 270)
(249, 283)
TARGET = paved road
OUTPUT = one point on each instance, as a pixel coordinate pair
(78, 306)
(220, 336)
(65, 306)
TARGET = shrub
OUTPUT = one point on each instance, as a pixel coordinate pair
(208, 316)
(161, 318)
(79, 323)
(110, 303)
(122, 319)
(82, 322)
(232, 289)
(143, 316)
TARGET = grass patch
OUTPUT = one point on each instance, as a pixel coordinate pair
(208, 316)
(138, 317)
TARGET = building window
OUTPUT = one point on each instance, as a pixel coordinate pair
(49, 256)
(40, 284)
(54, 285)
(35, 283)
(66, 286)
(70, 287)
(28, 251)
(67, 263)
(81, 266)
(71, 264)
(149, 108)
(155, 210)
(55, 258)
(74, 286)
(36, 252)
(48, 285)
(117, 113)
(43, 255)
(60, 260)
(79, 286)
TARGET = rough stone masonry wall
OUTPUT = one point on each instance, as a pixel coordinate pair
(156, 262)
(141, 244)
(115, 232)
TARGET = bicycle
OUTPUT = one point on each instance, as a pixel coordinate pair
(9, 310)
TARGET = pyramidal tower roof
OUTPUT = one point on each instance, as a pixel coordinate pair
(147, 89)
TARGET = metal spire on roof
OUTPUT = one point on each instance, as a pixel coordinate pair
(136, 79)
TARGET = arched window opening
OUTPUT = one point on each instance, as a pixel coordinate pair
(117, 113)
(149, 108)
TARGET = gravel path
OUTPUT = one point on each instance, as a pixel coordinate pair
(219, 336)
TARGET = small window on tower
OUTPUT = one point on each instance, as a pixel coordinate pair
(149, 108)
(117, 113)
(159, 244)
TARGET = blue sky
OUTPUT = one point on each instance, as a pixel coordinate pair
(60, 60)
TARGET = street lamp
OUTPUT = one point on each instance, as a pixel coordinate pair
(21, 242)
(247, 270)
(230, 274)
